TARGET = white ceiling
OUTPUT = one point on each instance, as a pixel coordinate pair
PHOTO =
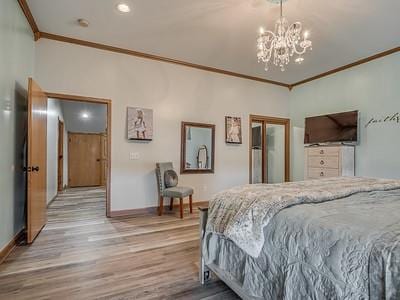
(74, 122)
(222, 33)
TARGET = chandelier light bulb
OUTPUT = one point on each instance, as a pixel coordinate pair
(261, 30)
(306, 34)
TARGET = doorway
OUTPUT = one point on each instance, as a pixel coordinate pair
(84, 141)
(269, 149)
(40, 160)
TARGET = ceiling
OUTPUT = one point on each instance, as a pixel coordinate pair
(73, 111)
(222, 33)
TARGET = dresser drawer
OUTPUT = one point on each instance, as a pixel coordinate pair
(322, 151)
(331, 162)
(322, 172)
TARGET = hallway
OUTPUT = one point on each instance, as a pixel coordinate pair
(81, 254)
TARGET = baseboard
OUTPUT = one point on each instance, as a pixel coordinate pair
(152, 210)
(51, 201)
(11, 245)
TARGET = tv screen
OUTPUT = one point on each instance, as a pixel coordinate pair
(341, 127)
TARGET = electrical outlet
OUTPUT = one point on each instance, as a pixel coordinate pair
(134, 156)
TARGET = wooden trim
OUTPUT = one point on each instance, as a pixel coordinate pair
(269, 120)
(85, 43)
(38, 34)
(152, 210)
(183, 148)
(108, 131)
(86, 133)
(6, 250)
(78, 98)
(29, 17)
(207, 68)
(348, 66)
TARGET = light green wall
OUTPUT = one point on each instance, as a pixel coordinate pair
(16, 65)
(372, 88)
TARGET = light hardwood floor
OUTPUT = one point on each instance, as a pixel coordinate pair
(80, 254)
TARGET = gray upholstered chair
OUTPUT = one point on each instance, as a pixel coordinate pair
(172, 192)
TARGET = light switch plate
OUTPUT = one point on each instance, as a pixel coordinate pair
(134, 156)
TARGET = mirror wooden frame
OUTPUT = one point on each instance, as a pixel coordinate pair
(183, 148)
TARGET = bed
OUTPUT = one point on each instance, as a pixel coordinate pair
(336, 238)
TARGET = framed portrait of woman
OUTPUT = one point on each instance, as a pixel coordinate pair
(140, 124)
(233, 130)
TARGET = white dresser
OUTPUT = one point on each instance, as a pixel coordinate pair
(328, 161)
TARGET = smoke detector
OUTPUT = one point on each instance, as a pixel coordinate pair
(83, 22)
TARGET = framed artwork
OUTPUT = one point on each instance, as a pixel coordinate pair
(233, 130)
(140, 124)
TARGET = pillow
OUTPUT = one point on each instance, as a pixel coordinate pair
(170, 178)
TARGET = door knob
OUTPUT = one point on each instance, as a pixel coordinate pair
(35, 169)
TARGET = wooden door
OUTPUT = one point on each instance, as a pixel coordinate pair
(60, 177)
(104, 163)
(84, 159)
(37, 160)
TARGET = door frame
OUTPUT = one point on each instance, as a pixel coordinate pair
(108, 104)
(60, 161)
(269, 120)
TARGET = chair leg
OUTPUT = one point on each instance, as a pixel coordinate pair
(171, 204)
(181, 207)
(191, 204)
(161, 208)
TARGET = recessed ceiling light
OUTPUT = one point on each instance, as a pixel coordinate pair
(85, 115)
(123, 7)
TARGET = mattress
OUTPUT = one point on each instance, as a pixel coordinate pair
(347, 248)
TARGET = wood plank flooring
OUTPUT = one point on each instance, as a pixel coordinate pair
(81, 254)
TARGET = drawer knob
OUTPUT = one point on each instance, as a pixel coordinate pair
(321, 151)
(321, 162)
(321, 174)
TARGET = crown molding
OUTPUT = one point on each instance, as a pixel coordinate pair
(38, 34)
(85, 43)
(348, 66)
(29, 17)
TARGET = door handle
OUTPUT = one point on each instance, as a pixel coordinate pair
(98, 159)
(35, 169)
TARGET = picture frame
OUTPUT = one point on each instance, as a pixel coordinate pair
(233, 130)
(139, 124)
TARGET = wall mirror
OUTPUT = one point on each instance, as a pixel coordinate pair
(197, 147)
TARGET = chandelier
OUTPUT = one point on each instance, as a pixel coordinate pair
(282, 44)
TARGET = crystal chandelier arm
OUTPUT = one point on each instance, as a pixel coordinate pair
(293, 39)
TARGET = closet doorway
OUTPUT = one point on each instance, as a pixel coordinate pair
(269, 149)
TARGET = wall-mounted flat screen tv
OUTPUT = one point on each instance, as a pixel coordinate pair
(333, 128)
